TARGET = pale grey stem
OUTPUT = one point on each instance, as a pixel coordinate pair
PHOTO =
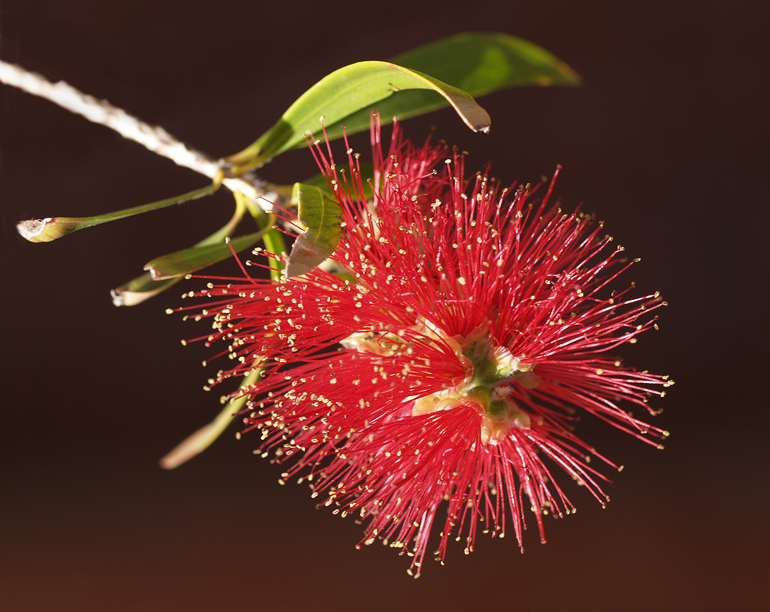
(152, 137)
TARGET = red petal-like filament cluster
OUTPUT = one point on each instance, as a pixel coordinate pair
(437, 256)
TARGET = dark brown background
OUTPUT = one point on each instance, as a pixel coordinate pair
(666, 140)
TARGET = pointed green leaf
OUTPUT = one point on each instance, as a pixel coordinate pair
(349, 89)
(321, 217)
(478, 63)
(198, 257)
(143, 287)
(200, 440)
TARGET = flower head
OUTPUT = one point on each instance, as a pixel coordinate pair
(477, 326)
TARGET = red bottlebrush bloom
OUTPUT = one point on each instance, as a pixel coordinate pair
(477, 326)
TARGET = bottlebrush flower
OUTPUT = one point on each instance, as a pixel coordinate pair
(451, 369)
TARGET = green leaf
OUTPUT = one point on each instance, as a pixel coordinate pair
(200, 440)
(483, 62)
(273, 239)
(321, 217)
(344, 91)
(198, 257)
(478, 63)
(48, 230)
(143, 287)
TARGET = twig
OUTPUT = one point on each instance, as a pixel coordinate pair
(152, 137)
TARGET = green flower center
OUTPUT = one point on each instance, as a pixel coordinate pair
(492, 372)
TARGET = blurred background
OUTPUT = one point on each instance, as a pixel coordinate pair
(667, 140)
